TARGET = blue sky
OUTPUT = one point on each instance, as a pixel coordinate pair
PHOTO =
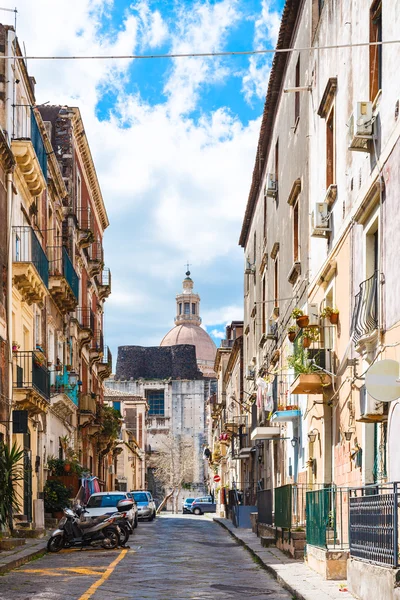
(174, 141)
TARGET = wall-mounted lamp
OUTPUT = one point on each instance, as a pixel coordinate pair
(312, 436)
(294, 441)
(73, 378)
(347, 435)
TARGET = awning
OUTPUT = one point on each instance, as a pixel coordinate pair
(264, 433)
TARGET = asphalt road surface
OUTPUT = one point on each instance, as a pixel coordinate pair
(173, 558)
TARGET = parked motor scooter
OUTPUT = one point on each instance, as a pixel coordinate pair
(72, 532)
(121, 518)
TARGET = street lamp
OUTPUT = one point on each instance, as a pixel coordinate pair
(347, 435)
(312, 436)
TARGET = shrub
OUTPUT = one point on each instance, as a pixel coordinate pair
(56, 496)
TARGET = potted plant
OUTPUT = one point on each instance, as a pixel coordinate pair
(292, 333)
(301, 319)
(58, 365)
(56, 498)
(68, 368)
(330, 313)
(15, 346)
(38, 359)
(310, 334)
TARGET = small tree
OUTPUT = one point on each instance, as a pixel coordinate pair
(11, 473)
(174, 465)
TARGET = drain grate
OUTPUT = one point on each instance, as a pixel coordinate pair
(242, 590)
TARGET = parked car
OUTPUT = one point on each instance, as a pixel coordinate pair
(186, 504)
(145, 503)
(105, 503)
(202, 505)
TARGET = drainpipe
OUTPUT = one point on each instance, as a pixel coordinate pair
(9, 297)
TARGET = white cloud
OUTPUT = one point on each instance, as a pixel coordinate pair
(223, 315)
(219, 335)
(266, 29)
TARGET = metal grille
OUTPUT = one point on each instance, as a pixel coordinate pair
(374, 524)
(365, 315)
(29, 372)
(318, 516)
(37, 142)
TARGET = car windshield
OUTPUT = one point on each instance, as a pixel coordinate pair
(189, 500)
(140, 497)
(104, 501)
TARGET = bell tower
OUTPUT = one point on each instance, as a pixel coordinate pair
(187, 304)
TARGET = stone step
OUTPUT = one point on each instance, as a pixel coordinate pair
(266, 542)
(11, 543)
(28, 533)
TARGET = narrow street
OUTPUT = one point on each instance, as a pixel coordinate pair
(173, 558)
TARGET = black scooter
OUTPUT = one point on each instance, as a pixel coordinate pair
(73, 533)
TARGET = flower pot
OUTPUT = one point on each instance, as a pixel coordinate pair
(302, 321)
(306, 342)
(334, 318)
(58, 367)
(292, 336)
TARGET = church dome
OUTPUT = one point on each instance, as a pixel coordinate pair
(187, 328)
(194, 335)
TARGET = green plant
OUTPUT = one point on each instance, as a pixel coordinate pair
(328, 311)
(296, 313)
(56, 496)
(300, 363)
(110, 420)
(312, 333)
(292, 329)
(55, 465)
(11, 472)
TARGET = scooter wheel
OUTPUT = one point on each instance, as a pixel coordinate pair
(55, 543)
(123, 536)
(111, 539)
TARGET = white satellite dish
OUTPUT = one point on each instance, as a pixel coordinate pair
(382, 380)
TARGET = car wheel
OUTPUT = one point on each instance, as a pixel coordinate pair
(197, 511)
(151, 517)
(135, 522)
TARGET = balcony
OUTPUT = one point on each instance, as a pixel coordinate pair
(85, 319)
(364, 325)
(85, 223)
(31, 382)
(88, 411)
(96, 349)
(63, 281)
(63, 387)
(158, 424)
(95, 259)
(104, 284)
(104, 366)
(312, 357)
(31, 157)
(30, 266)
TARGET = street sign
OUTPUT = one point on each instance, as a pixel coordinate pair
(217, 478)
(382, 380)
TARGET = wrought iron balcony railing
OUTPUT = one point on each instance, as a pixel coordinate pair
(85, 318)
(61, 266)
(365, 315)
(27, 249)
(30, 372)
(97, 344)
(107, 357)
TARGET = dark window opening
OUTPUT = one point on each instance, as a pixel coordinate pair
(193, 308)
(187, 308)
(276, 284)
(375, 52)
(277, 170)
(296, 257)
(330, 149)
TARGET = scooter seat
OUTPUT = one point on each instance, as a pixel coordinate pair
(92, 522)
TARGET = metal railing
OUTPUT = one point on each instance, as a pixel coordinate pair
(85, 318)
(30, 372)
(106, 359)
(374, 524)
(95, 251)
(60, 264)
(27, 248)
(264, 506)
(319, 354)
(97, 343)
(106, 277)
(327, 517)
(365, 315)
(38, 144)
(84, 218)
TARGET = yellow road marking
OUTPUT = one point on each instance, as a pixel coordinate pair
(104, 577)
(56, 573)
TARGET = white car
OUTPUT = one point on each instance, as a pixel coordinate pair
(145, 503)
(105, 503)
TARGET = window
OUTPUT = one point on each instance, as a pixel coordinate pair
(330, 149)
(276, 282)
(117, 405)
(193, 308)
(297, 94)
(263, 306)
(155, 400)
(180, 308)
(254, 248)
(187, 308)
(296, 250)
(277, 170)
(375, 52)
(78, 195)
(265, 217)
(105, 501)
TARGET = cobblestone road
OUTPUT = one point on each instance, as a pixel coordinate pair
(173, 558)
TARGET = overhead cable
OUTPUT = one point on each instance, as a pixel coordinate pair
(205, 54)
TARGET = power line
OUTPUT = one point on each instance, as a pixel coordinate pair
(205, 54)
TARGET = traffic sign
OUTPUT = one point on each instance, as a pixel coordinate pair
(217, 478)
(382, 380)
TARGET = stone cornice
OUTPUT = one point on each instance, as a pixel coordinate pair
(84, 150)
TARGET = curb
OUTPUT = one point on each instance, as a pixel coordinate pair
(21, 560)
(264, 565)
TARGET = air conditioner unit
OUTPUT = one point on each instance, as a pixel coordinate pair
(272, 329)
(271, 186)
(371, 410)
(320, 220)
(313, 314)
(360, 127)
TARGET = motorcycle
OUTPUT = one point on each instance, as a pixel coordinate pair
(121, 518)
(72, 533)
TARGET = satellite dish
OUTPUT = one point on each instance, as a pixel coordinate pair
(382, 380)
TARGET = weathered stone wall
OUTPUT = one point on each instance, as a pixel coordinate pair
(175, 362)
